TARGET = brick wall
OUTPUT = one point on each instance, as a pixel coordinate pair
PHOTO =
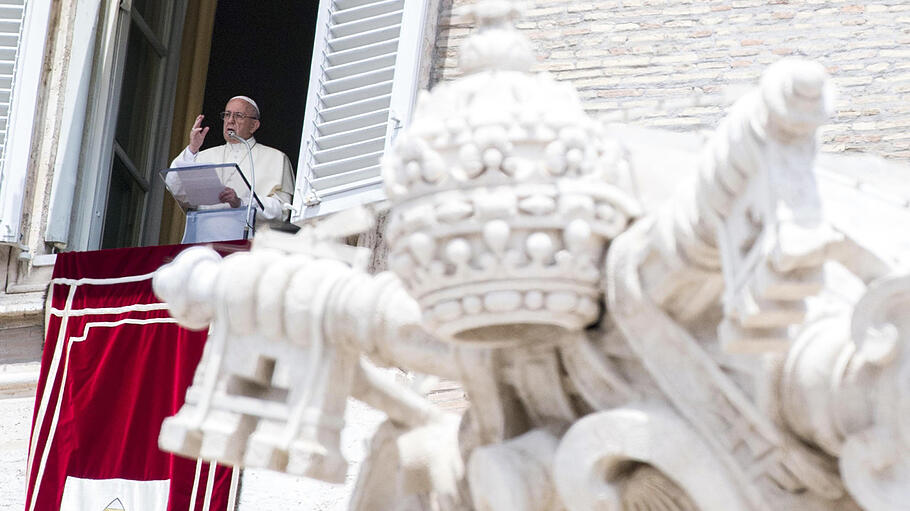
(677, 64)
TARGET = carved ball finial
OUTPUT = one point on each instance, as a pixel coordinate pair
(799, 95)
(496, 44)
(492, 13)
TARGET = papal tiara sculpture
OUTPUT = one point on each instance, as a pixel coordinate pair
(505, 194)
(732, 346)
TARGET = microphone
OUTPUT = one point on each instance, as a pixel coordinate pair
(250, 219)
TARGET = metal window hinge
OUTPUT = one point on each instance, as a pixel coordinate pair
(25, 253)
(396, 125)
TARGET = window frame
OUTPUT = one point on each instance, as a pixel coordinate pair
(97, 154)
(21, 123)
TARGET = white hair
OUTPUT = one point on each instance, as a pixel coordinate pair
(248, 100)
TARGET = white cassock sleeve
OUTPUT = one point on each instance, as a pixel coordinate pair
(278, 194)
(185, 158)
(271, 207)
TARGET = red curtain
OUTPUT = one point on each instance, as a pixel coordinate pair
(114, 366)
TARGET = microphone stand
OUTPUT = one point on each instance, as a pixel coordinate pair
(249, 230)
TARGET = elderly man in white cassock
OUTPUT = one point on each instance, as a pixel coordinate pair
(274, 176)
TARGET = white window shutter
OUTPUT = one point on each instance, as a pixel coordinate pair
(23, 32)
(12, 14)
(73, 122)
(363, 80)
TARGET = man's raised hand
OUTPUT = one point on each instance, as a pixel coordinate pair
(197, 134)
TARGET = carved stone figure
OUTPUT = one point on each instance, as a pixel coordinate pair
(726, 347)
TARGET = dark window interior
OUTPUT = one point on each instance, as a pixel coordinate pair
(262, 50)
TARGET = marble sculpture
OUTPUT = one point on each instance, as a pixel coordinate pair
(725, 347)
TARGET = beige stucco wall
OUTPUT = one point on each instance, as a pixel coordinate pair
(677, 64)
(23, 272)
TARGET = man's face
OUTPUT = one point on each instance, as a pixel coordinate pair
(243, 128)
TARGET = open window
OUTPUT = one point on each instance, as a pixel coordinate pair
(148, 80)
(127, 123)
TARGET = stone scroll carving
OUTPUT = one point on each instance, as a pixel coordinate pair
(728, 349)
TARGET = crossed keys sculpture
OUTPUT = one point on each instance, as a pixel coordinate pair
(727, 348)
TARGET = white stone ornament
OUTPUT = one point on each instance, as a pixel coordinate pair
(525, 163)
(736, 345)
(773, 237)
(876, 449)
